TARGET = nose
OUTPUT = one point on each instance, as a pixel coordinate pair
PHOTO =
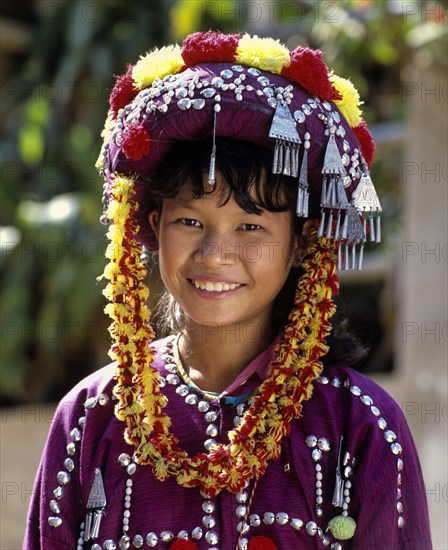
(216, 249)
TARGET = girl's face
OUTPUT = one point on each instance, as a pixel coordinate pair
(222, 265)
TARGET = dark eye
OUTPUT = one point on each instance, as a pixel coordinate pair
(250, 226)
(190, 222)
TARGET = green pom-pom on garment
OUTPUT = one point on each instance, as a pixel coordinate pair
(342, 527)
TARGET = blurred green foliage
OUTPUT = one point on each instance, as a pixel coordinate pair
(54, 105)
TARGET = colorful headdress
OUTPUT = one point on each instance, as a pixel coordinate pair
(252, 89)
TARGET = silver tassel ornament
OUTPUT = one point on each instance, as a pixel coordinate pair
(95, 506)
(303, 195)
(287, 141)
(333, 196)
(338, 493)
(365, 200)
(212, 168)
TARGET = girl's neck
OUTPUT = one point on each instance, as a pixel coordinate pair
(213, 356)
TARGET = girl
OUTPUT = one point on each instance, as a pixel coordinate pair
(244, 168)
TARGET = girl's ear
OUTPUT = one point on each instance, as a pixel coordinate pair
(297, 254)
(302, 243)
(154, 219)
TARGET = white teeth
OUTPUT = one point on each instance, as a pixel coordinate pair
(214, 287)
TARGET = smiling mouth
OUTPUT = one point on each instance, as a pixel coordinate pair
(214, 287)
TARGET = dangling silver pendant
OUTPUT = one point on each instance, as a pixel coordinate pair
(353, 256)
(330, 225)
(212, 169)
(95, 506)
(302, 192)
(365, 197)
(338, 227)
(378, 229)
(287, 161)
(372, 228)
(333, 196)
(320, 232)
(353, 232)
(338, 494)
(365, 200)
(346, 253)
(333, 162)
(287, 141)
(360, 257)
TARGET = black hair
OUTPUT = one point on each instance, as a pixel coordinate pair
(245, 167)
(247, 170)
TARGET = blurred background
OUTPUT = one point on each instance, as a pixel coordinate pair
(58, 59)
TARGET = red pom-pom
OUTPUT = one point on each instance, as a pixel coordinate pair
(135, 142)
(123, 92)
(261, 543)
(308, 69)
(209, 47)
(366, 142)
(182, 544)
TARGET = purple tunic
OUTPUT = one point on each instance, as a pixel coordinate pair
(380, 476)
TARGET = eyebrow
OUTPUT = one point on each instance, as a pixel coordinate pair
(190, 205)
(180, 204)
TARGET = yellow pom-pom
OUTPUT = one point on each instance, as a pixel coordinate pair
(122, 187)
(116, 235)
(263, 53)
(350, 102)
(157, 64)
(342, 527)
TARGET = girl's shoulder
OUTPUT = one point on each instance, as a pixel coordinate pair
(97, 387)
(356, 391)
(347, 402)
(355, 385)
